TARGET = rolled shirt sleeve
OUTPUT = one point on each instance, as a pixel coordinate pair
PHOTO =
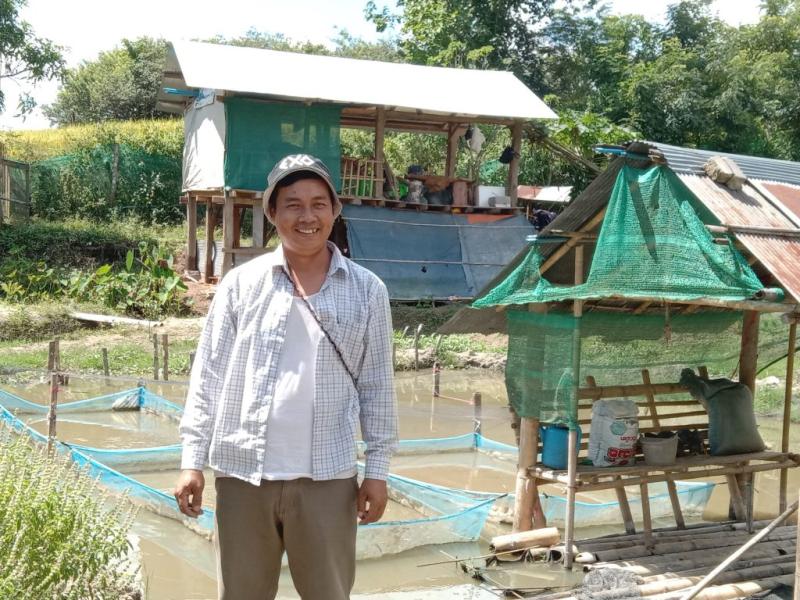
(378, 408)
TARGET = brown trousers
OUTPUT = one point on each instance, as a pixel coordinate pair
(313, 521)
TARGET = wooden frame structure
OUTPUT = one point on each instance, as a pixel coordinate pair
(12, 207)
(362, 183)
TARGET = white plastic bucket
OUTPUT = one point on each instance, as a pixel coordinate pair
(659, 451)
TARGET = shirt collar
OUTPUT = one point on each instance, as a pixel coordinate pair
(338, 262)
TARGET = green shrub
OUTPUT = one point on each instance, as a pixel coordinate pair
(145, 286)
(58, 538)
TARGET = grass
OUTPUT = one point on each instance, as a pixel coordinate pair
(60, 537)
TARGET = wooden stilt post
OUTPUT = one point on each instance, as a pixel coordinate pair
(436, 376)
(797, 562)
(155, 356)
(191, 238)
(748, 356)
(51, 414)
(57, 343)
(211, 224)
(572, 443)
(380, 124)
(165, 350)
(106, 370)
(787, 411)
(51, 356)
(525, 488)
(477, 412)
(416, 346)
(647, 522)
(513, 167)
(228, 232)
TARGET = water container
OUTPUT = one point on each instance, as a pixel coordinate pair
(554, 445)
(659, 451)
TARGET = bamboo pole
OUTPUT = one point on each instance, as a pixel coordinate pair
(165, 349)
(624, 506)
(675, 501)
(57, 363)
(647, 523)
(572, 439)
(784, 562)
(787, 412)
(51, 356)
(436, 375)
(523, 497)
(416, 346)
(155, 356)
(51, 413)
(106, 370)
(477, 415)
(737, 502)
(638, 551)
(744, 548)
(211, 224)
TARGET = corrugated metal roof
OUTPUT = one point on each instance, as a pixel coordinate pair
(691, 160)
(745, 207)
(788, 195)
(748, 207)
(295, 76)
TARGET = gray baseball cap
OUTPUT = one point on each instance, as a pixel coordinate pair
(293, 164)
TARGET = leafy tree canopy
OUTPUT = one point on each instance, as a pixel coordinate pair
(120, 84)
(24, 58)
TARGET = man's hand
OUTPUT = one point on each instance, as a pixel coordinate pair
(189, 492)
(372, 498)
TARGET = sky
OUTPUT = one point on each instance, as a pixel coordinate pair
(87, 27)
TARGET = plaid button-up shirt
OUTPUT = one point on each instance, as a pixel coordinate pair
(235, 371)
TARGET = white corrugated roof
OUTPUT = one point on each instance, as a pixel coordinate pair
(289, 75)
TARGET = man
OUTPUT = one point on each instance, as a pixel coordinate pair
(296, 348)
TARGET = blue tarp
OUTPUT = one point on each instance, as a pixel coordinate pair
(432, 255)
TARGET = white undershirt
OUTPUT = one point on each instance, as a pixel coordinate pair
(288, 453)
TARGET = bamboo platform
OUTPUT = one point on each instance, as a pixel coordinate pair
(678, 559)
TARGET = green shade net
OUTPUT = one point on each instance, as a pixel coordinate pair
(652, 245)
(103, 183)
(259, 134)
(614, 348)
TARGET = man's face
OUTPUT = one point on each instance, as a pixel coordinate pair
(303, 216)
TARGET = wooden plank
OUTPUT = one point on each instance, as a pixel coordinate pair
(110, 320)
(191, 238)
(620, 391)
(258, 227)
(245, 251)
(624, 507)
(787, 412)
(651, 399)
(676, 504)
(566, 247)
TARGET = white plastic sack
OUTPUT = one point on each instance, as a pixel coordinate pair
(615, 429)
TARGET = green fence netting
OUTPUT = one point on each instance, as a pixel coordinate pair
(652, 245)
(548, 353)
(259, 134)
(106, 181)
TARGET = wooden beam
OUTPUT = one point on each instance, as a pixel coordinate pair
(228, 234)
(380, 125)
(513, 167)
(452, 149)
(211, 224)
(567, 246)
(787, 412)
(748, 356)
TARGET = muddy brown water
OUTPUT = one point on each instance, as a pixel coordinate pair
(179, 564)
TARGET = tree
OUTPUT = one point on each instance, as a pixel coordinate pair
(501, 34)
(24, 57)
(122, 83)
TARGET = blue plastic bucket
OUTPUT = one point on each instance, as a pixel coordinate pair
(555, 439)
